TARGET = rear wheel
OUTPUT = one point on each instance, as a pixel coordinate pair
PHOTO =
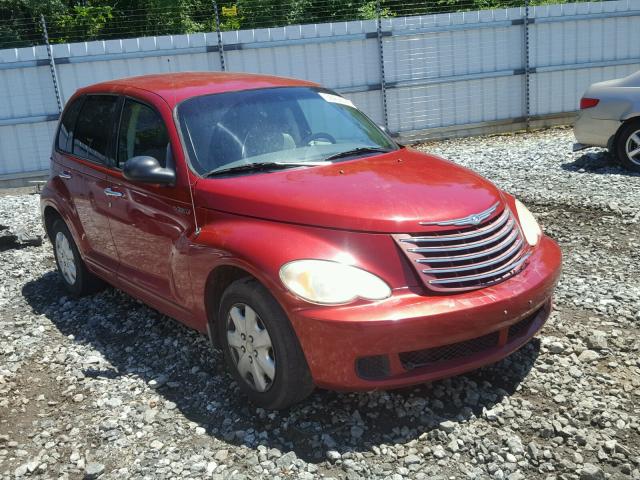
(76, 278)
(627, 146)
(260, 348)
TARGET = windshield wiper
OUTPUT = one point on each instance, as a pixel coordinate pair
(258, 166)
(357, 151)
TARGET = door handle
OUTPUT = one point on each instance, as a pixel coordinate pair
(65, 175)
(112, 193)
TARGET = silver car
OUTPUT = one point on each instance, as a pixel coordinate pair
(610, 117)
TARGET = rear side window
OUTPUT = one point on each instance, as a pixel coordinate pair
(65, 130)
(93, 127)
(142, 132)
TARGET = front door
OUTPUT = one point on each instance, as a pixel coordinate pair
(150, 223)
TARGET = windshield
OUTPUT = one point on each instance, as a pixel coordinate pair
(293, 124)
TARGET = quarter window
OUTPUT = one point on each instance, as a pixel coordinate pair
(65, 130)
(142, 132)
(93, 128)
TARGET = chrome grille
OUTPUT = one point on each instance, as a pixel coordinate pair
(470, 257)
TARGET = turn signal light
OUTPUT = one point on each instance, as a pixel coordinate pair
(588, 102)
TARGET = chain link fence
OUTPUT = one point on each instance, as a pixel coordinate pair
(22, 27)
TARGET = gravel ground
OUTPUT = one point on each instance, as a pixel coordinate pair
(106, 387)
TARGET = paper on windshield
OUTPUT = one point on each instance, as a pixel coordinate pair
(336, 99)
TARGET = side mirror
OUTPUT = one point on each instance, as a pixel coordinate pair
(148, 170)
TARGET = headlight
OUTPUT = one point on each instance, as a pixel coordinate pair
(324, 281)
(530, 227)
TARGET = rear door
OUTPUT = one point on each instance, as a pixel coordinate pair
(84, 158)
(150, 223)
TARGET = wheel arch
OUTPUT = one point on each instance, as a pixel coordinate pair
(49, 215)
(217, 282)
(625, 121)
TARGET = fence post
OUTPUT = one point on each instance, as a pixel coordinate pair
(220, 45)
(52, 63)
(527, 101)
(383, 83)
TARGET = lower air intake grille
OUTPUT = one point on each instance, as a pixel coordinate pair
(445, 353)
(374, 367)
(519, 329)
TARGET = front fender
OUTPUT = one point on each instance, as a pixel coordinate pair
(261, 247)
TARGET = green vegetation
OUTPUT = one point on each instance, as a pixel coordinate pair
(83, 20)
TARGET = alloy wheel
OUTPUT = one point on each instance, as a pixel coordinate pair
(632, 147)
(66, 260)
(251, 347)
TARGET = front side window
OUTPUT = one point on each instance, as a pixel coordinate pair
(290, 124)
(65, 130)
(93, 127)
(142, 132)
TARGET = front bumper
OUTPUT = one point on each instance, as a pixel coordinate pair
(336, 339)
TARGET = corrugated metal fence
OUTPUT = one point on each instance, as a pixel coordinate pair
(421, 76)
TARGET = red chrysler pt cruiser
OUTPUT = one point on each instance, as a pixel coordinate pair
(273, 215)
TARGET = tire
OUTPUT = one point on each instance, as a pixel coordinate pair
(77, 280)
(627, 141)
(279, 359)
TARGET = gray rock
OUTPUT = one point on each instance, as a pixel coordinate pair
(93, 470)
(597, 340)
(439, 452)
(533, 450)
(333, 456)
(591, 472)
(515, 445)
(448, 426)
(221, 455)
(286, 460)
(453, 445)
(20, 471)
(556, 347)
(588, 356)
(412, 460)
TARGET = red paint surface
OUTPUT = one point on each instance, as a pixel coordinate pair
(145, 243)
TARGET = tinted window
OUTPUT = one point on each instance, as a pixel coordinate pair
(93, 128)
(66, 125)
(142, 132)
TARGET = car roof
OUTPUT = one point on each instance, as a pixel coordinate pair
(176, 87)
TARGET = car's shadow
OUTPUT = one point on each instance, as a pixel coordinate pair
(599, 162)
(137, 341)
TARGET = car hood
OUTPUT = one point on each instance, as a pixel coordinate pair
(389, 193)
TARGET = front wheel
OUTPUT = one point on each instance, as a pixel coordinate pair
(627, 146)
(260, 348)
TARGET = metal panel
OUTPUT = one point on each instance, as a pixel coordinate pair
(454, 69)
(575, 45)
(458, 103)
(442, 72)
(25, 147)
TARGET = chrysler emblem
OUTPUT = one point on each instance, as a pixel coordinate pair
(473, 219)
